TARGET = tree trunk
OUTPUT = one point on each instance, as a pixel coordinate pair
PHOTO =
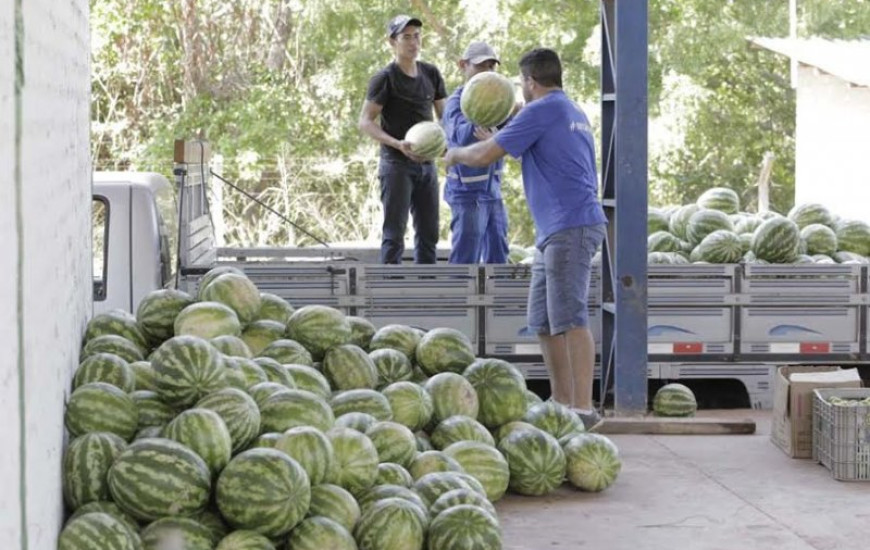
(280, 35)
(192, 48)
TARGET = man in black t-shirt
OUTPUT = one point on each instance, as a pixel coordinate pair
(402, 94)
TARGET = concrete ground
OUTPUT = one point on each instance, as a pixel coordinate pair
(698, 493)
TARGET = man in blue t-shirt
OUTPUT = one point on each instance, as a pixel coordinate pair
(552, 137)
(479, 224)
(402, 94)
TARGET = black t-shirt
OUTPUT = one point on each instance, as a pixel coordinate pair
(405, 100)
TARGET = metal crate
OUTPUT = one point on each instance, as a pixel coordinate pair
(841, 434)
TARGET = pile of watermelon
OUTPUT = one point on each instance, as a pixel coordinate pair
(715, 230)
(230, 421)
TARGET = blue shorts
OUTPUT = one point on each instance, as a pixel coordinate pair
(559, 290)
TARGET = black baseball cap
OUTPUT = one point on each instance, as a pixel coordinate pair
(398, 23)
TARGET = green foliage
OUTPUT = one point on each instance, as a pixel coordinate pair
(277, 87)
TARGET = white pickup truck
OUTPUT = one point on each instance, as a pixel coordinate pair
(713, 326)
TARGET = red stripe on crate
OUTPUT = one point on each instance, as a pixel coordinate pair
(688, 347)
(815, 347)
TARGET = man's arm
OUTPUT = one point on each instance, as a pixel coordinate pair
(458, 129)
(479, 154)
(439, 108)
(369, 126)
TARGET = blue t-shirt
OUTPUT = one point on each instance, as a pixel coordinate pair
(553, 138)
(467, 182)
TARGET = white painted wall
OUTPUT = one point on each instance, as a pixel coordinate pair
(832, 153)
(55, 257)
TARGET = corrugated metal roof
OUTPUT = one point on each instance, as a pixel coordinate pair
(846, 59)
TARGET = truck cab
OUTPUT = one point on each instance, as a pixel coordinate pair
(132, 215)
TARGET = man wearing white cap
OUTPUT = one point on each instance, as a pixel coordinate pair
(479, 223)
(402, 94)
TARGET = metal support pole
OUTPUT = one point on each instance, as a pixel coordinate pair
(624, 181)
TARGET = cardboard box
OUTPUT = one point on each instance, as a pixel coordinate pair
(791, 425)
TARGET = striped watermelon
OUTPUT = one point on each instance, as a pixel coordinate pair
(259, 334)
(235, 291)
(186, 369)
(157, 312)
(311, 449)
(349, 367)
(459, 428)
(291, 408)
(97, 530)
(854, 236)
(245, 540)
(143, 375)
(747, 224)
(593, 462)
(287, 352)
(207, 320)
(273, 308)
(309, 379)
(410, 403)
(361, 331)
(263, 490)
(432, 461)
(232, 346)
(120, 323)
(390, 473)
(335, 503)
(105, 367)
(844, 257)
(157, 477)
(101, 407)
(487, 99)
(177, 532)
(253, 372)
(819, 239)
(537, 462)
(356, 460)
(452, 394)
(239, 412)
(204, 432)
(501, 391)
(112, 343)
(391, 524)
(719, 247)
(212, 521)
(705, 221)
(532, 398)
(811, 213)
(461, 496)
(433, 485)
(381, 492)
(213, 274)
(444, 350)
(554, 418)
(152, 410)
(110, 508)
(662, 241)
(776, 240)
(464, 527)
(427, 139)
(674, 400)
(393, 442)
(355, 421)
(149, 432)
(365, 401)
(485, 463)
(391, 365)
(504, 430)
(234, 375)
(398, 337)
(423, 443)
(267, 440)
(679, 221)
(722, 199)
(86, 464)
(320, 533)
(318, 328)
(275, 372)
(264, 390)
(656, 220)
